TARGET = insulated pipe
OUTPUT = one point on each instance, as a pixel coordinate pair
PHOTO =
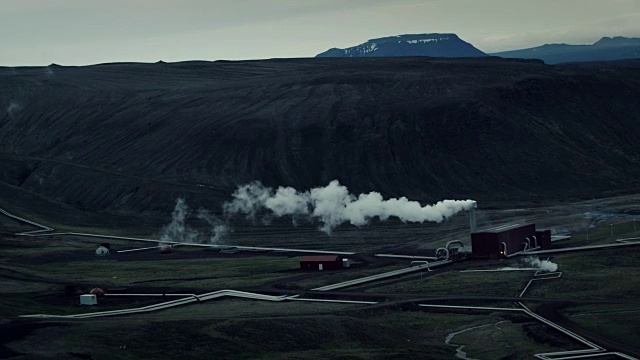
(418, 262)
(448, 246)
(535, 241)
(504, 249)
(446, 253)
(528, 244)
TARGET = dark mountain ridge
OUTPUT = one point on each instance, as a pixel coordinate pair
(133, 137)
(433, 45)
(605, 49)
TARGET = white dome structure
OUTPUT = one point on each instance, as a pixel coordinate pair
(102, 251)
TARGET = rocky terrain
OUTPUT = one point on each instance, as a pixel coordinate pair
(132, 137)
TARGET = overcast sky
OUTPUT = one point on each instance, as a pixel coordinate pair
(76, 32)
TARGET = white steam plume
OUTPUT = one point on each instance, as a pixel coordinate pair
(544, 265)
(334, 205)
(248, 199)
(177, 229)
(219, 230)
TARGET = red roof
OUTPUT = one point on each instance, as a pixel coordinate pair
(320, 258)
(97, 291)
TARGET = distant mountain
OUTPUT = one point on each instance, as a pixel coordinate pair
(605, 49)
(434, 45)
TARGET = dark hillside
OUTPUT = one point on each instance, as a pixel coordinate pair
(605, 49)
(132, 137)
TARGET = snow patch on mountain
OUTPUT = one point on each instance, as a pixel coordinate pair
(433, 45)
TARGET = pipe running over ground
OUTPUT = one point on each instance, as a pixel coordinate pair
(593, 350)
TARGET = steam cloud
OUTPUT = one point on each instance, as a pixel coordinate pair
(178, 231)
(219, 230)
(334, 205)
(544, 265)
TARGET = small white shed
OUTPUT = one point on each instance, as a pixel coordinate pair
(88, 299)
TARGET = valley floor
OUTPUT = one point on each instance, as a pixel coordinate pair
(594, 295)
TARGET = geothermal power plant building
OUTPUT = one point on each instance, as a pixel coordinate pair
(507, 240)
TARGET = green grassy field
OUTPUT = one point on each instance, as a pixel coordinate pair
(604, 232)
(24, 285)
(218, 272)
(231, 330)
(31, 247)
(227, 308)
(601, 274)
(621, 322)
(11, 226)
(32, 269)
(334, 277)
(461, 283)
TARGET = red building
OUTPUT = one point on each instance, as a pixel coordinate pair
(506, 240)
(544, 238)
(319, 263)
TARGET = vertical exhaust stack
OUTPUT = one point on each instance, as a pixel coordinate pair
(472, 219)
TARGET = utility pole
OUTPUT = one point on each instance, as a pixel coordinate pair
(588, 226)
(611, 230)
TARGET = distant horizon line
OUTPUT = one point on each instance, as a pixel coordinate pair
(160, 61)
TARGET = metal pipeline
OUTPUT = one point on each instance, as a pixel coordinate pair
(448, 246)
(446, 254)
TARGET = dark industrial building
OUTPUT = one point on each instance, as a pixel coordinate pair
(507, 240)
(324, 262)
